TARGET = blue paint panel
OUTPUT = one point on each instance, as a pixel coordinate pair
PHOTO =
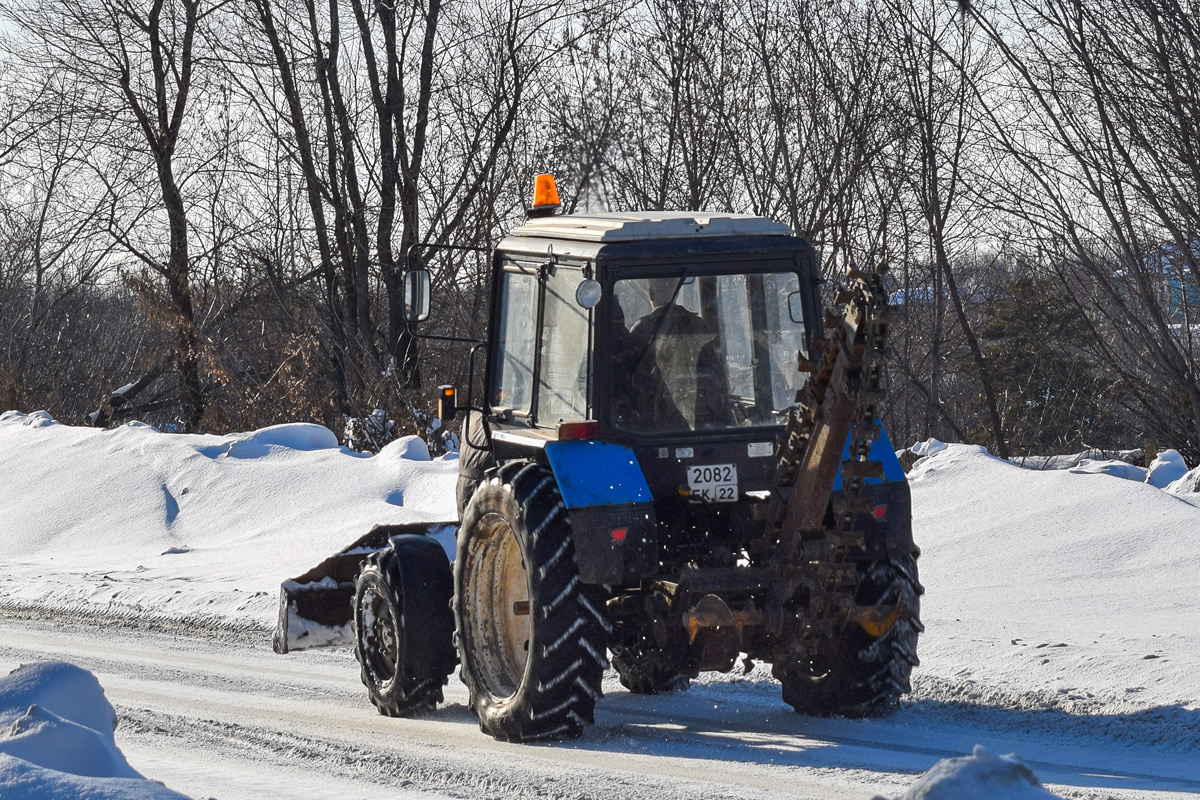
(881, 450)
(592, 473)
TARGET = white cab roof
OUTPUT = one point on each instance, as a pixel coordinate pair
(641, 225)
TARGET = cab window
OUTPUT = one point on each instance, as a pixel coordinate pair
(704, 352)
(546, 375)
(562, 383)
(516, 342)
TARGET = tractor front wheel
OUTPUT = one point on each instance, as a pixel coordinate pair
(398, 647)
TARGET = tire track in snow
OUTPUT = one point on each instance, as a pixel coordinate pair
(414, 767)
(307, 712)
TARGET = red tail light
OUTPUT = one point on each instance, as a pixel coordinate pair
(573, 431)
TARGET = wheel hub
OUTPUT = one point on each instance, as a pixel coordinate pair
(497, 623)
(380, 646)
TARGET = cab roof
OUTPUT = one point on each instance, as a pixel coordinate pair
(635, 226)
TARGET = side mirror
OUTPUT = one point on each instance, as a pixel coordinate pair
(416, 295)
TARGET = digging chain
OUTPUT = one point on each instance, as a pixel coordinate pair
(845, 388)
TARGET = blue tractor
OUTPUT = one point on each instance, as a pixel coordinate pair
(676, 464)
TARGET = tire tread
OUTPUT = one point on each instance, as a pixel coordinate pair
(565, 673)
(869, 678)
(404, 696)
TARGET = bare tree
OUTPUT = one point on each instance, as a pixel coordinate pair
(941, 68)
(52, 239)
(1103, 127)
(446, 85)
(140, 68)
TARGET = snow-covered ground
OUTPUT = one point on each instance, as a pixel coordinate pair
(1061, 616)
(140, 523)
(1075, 590)
(59, 742)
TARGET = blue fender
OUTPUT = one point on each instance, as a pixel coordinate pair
(891, 535)
(593, 473)
(881, 451)
(610, 507)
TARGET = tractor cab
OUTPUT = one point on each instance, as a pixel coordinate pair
(675, 334)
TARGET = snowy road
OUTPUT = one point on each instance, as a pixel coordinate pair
(1061, 624)
(220, 715)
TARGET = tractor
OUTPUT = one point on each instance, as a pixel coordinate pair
(676, 464)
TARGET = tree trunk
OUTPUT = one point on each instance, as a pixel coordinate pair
(187, 338)
(312, 189)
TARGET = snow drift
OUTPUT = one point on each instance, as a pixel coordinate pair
(59, 739)
(131, 521)
(1054, 589)
(983, 775)
(1110, 466)
(1166, 468)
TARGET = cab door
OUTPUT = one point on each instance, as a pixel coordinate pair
(542, 352)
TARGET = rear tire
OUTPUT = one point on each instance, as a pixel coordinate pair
(531, 639)
(382, 635)
(868, 675)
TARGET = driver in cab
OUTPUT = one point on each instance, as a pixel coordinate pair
(677, 369)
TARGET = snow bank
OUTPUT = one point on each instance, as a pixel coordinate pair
(1167, 468)
(1188, 483)
(1055, 589)
(273, 440)
(59, 739)
(983, 775)
(1164, 472)
(73, 693)
(1068, 460)
(131, 521)
(412, 448)
(928, 448)
(1117, 469)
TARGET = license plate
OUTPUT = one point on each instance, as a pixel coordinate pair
(714, 483)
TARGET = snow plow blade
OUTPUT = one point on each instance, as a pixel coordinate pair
(316, 608)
